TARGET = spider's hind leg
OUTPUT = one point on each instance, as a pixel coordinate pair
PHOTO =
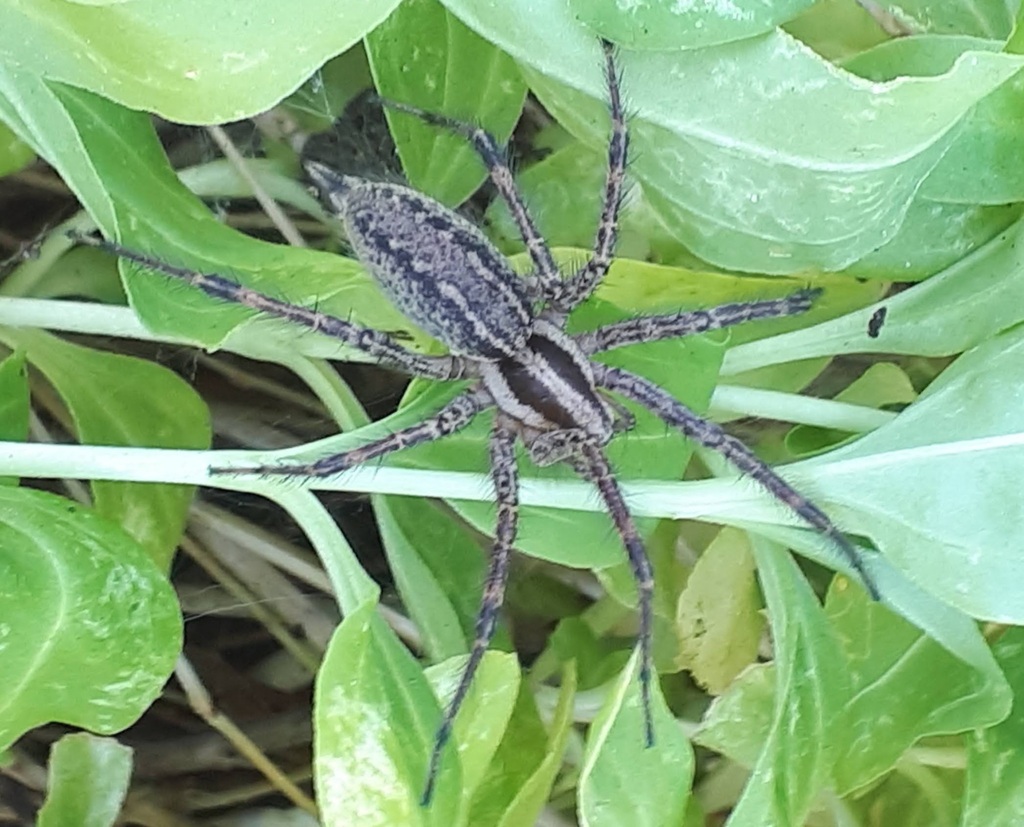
(506, 488)
(453, 417)
(593, 465)
(713, 436)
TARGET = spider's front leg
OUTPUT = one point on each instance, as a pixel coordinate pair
(675, 325)
(506, 489)
(585, 280)
(372, 342)
(713, 436)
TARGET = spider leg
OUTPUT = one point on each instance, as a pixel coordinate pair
(593, 465)
(372, 342)
(711, 435)
(674, 325)
(495, 159)
(506, 488)
(453, 417)
(586, 279)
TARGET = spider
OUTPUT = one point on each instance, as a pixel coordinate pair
(506, 333)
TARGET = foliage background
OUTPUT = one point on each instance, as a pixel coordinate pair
(764, 158)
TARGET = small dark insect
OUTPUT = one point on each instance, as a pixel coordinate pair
(507, 333)
(876, 321)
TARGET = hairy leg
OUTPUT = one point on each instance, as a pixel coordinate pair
(506, 489)
(494, 159)
(674, 325)
(453, 417)
(372, 342)
(711, 435)
(588, 277)
(593, 465)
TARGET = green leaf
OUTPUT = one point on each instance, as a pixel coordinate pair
(190, 61)
(485, 715)
(14, 154)
(374, 720)
(994, 792)
(811, 689)
(950, 313)
(616, 758)
(110, 157)
(905, 682)
(438, 568)
(738, 721)
(934, 236)
(14, 398)
(719, 616)
(451, 71)
(87, 783)
(121, 400)
(771, 176)
(683, 25)
(73, 588)
(980, 166)
(534, 793)
(937, 487)
(522, 750)
(981, 18)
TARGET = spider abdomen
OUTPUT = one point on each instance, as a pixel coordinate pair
(437, 268)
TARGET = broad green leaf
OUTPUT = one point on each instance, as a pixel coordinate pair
(74, 588)
(937, 489)
(438, 568)
(484, 718)
(719, 616)
(905, 682)
(934, 236)
(811, 689)
(994, 792)
(980, 166)
(760, 155)
(374, 721)
(616, 759)
(121, 400)
(597, 660)
(87, 782)
(190, 61)
(451, 71)
(659, 25)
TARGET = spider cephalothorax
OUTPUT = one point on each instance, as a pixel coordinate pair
(506, 333)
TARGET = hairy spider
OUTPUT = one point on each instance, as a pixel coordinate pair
(506, 332)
